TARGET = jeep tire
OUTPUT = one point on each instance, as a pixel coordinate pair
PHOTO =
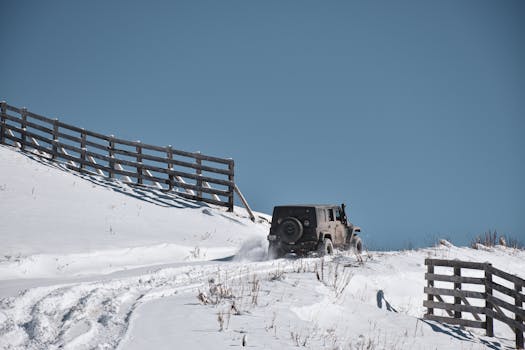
(356, 245)
(325, 247)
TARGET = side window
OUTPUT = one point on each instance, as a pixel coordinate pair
(338, 214)
(321, 215)
(330, 214)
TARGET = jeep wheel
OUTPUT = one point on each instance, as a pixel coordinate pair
(356, 244)
(290, 230)
(325, 247)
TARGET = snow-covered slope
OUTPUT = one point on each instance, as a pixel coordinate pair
(55, 222)
(91, 264)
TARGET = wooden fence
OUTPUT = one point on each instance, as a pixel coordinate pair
(191, 175)
(492, 288)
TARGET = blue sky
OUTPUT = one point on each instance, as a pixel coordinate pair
(412, 112)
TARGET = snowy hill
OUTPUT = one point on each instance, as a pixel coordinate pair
(90, 264)
(58, 222)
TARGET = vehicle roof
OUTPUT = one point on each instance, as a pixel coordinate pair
(308, 205)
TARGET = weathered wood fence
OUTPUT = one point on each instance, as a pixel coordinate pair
(493, 286)
(191, 175)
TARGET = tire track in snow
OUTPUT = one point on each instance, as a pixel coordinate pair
(96, 315)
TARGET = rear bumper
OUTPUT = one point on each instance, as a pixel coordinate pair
(301, 247)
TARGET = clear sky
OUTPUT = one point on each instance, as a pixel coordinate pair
(412, 112)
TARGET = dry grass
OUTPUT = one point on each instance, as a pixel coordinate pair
(492, 238)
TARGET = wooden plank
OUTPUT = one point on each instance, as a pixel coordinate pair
(457, 286)
(430, 284)
(455, 321)
(29, 124)
(454, 279)
(140, 173)
(55, 137)
(69, 137)
(119, 167)
(507, 320)
(30, 134)
(454, 307)
(518, 317)
(440, 299)
(12, 108)
(456, 263)
(512, 278)
(12, 118)
(198, 172)
(245, 203)
(488, 305)
(35, 143)
(80, 130)
(3, 113)
(40, 148)
(96, 145)
(451, 292)
(207, 185)
(10, 136)
(39, 117)
(99, 171)
(465, 301)
(140, 144)
(111, 156)
(155, 183)
(508, 291)
(89, 163)
(508, 306)
(174, 162)
(231, 187)
(180, 181)
(83, 156)
(194, 198)
(23, 127)
(70, 127)
(169, 155)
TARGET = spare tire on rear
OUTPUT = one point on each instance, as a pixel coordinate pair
(290, 230)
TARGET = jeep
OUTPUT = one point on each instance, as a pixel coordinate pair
(302, 229)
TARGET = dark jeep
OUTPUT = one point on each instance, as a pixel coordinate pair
(302, 229)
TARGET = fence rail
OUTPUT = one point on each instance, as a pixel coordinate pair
(493, 304)
(191, 175)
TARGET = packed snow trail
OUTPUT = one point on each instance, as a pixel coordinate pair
(96, 314)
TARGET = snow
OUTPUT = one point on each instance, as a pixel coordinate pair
(87, 263)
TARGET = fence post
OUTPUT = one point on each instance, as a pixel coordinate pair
(139, 168)
(83, 148)
(55, 139)
(231, 188)
(430, 284)
(519, 304)
(198, 172)
(111, 150)
(2, 121)
(488, 305)
(457, 286)
(23, 126)
(169, 153)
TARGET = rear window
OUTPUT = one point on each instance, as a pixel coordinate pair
(301, 213)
